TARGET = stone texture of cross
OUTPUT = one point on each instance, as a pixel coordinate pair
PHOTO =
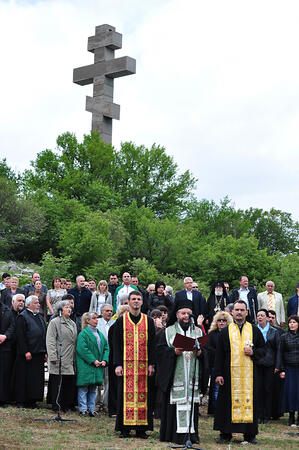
(102, 73)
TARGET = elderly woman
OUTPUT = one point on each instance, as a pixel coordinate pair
(289, 369)
(220, 320)
(92, 355)
(62, 329)
(101, 296)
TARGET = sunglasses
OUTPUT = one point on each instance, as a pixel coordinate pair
(222, 320)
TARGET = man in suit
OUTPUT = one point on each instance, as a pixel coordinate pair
(248, 295)
(293, 303)
(199, 303)
(271, 300)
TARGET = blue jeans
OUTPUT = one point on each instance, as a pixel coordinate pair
(87, 397)
(215, 390)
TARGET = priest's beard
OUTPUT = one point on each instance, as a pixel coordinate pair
(184, 325)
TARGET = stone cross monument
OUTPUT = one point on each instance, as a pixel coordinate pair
(102, 74)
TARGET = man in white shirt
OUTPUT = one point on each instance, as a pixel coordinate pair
(125, 288)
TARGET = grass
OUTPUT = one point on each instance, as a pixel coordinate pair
(20, 430)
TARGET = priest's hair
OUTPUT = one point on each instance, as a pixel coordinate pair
(29, 299)
(14, 297)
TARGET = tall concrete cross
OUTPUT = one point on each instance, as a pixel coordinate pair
(102, 74)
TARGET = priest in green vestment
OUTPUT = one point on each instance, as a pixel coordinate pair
(175, 373)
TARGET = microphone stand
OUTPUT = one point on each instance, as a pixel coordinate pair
(188, 442)
(58, 418)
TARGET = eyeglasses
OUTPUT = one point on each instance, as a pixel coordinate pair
(222, 320)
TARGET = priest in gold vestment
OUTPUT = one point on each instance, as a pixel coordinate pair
(239, 346)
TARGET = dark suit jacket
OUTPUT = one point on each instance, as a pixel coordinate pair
(6, 296)
(292, 306)
(199, 303)
(252, 302)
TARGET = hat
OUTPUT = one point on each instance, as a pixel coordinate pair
(179, 304)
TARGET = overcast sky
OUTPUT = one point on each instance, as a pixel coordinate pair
(217, 85)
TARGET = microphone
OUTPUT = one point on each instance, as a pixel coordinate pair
(192, 322)
(59, 312)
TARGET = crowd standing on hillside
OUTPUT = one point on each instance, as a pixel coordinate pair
(126, 350)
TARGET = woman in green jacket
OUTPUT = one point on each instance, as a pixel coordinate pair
(92, 353)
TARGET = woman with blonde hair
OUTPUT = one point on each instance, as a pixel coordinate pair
(99, 297)
(92, 355)
(220, 320)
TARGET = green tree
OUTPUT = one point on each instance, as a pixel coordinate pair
(21, 222)
(86, 241)
(227, 258)
(150, 177)
(6, 172)
(76, 171)
(274, 229)
(102, 178)
(286, 275)
(52, 266)
(222, 219)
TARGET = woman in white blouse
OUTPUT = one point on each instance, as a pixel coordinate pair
(100, 297)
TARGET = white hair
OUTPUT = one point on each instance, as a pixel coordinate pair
(77, 277)
(29, 299)
(105, 304)
(60, 305)
(15, 297)
(187, 279)
(169, 289)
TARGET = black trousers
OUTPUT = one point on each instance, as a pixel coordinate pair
(265, 391)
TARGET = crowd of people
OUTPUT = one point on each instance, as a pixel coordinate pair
(143, 353)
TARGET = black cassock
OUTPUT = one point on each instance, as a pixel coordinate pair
(29, 375)
(118, 349)
(223, 413)
(7, 327)
(111, 374)
(166, 360)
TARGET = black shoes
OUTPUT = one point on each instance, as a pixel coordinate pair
(141, 434)
(291, 419)
(224, 438)
(265, 420)
(124, 434)
(253, 441)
